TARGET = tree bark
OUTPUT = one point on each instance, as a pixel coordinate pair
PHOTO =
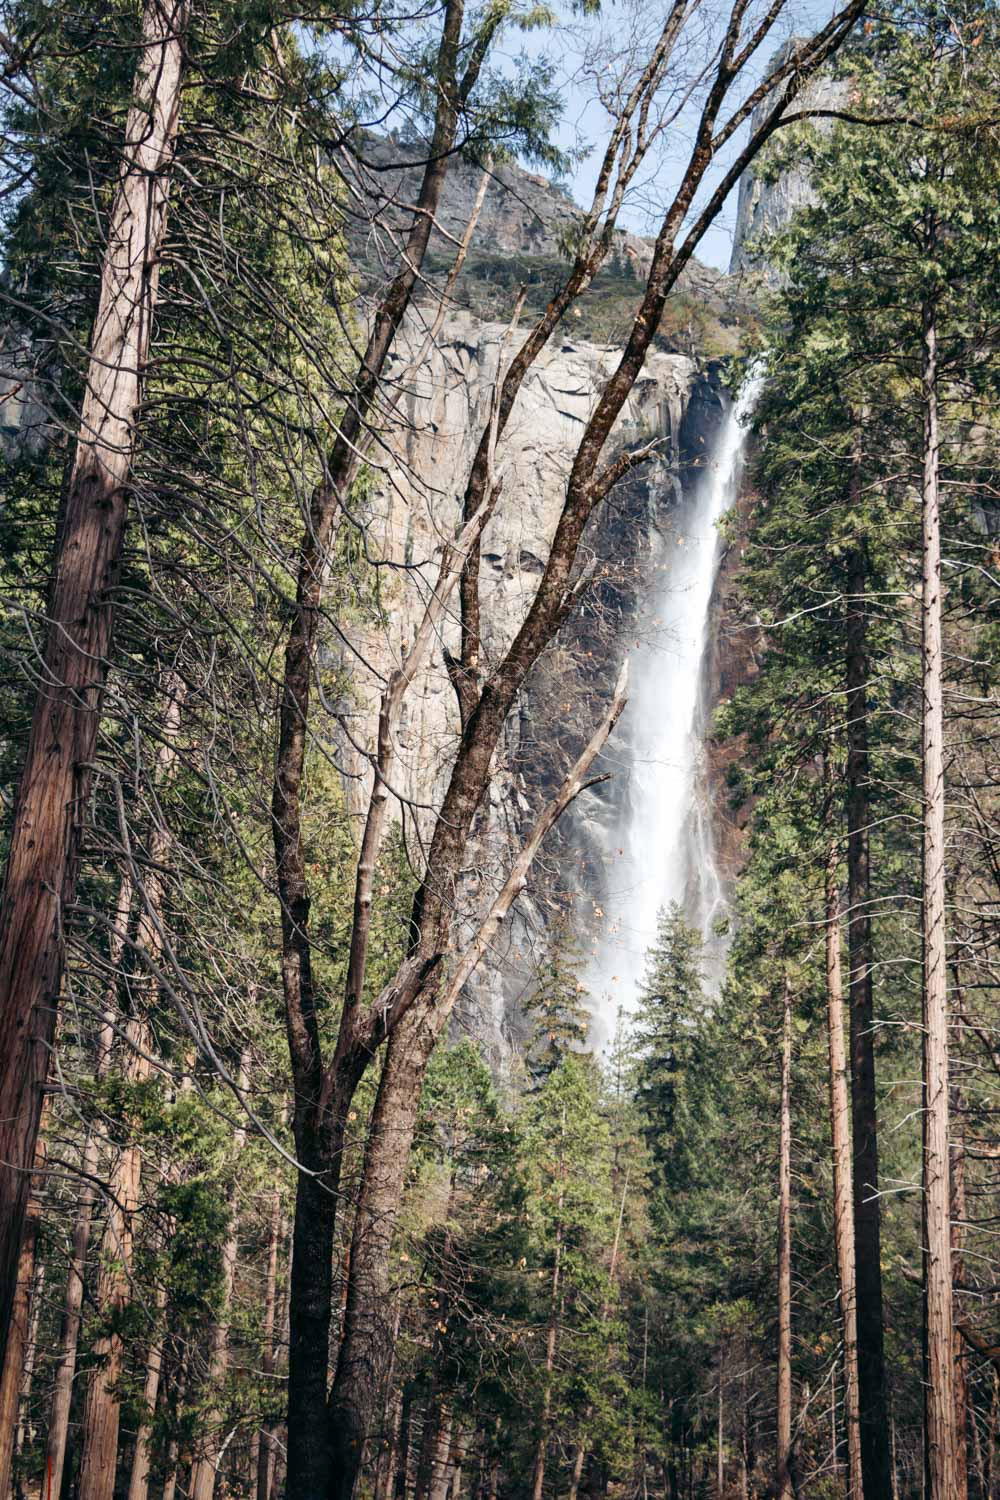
(400, 1486)
(843, 1209)
(962, 1413)
(782, 1480)
(441, 1453)
(138, 1485)
(872, 1396)
(44, 849)
(364, 1352)
(268, 1448)
(99, 1453)
(941, 1436)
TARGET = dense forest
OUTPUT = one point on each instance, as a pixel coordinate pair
(458, 1042)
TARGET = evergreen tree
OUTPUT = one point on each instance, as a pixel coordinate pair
(558, 1010)
(667, 1025)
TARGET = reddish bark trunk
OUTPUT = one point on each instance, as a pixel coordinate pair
(18, 1336)
(42, 864)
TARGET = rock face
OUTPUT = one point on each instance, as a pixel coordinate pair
(416, 507)
(523, 213)
(767, 202)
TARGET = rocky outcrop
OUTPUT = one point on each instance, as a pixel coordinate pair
(767, 197)
(415, 508)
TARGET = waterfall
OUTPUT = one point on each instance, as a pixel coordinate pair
(661, 846)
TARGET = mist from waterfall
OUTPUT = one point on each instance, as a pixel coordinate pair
(661, 848)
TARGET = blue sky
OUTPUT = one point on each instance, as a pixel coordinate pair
(585, 122)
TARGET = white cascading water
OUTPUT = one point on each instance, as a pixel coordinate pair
(662, 849)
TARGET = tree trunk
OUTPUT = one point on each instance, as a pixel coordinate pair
(843, 1210)
(940, 1385)
(204, 1471)
(962, 1413)
(441, 1454)
(386, 1466)
(19, 1333)
(872, 1398)
(579, 1459)
(364, 1351)
(267, 1449)
(25, 1428)
(783, 1482)
(172, 1457)
(428, 1439)
(69, 1333)
(99, 1454)
(43, 858)
(400, 1485)
(138, 1486)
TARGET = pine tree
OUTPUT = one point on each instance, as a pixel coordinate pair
(558, 1009)
(668, 1019)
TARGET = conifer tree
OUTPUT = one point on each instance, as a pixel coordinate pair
(667, 1023)
(558, 1011)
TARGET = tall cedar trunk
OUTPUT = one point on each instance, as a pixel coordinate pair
(268, 1447)
(102, 1405)
(872, 1399)
(138, 1485)
(204, 1471)
(783, 1482)
(69, 1333)
(19, 1333)
(940, 1386)
(843, 1209)
(962, 1413)
(43, 859)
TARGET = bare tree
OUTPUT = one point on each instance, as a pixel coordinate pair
(485, 700)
